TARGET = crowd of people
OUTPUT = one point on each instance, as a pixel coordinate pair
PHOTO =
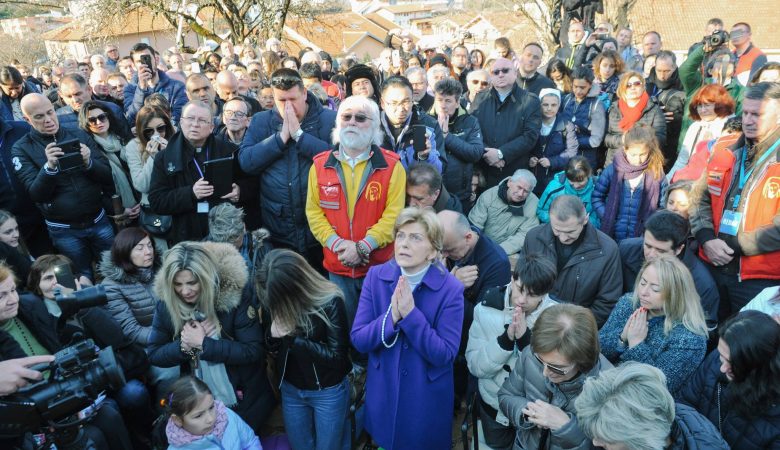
(585, 254)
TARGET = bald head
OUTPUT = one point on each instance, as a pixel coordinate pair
(459, 238)
(39, 113)
(311, 57)
(227, 85)
(98, 81)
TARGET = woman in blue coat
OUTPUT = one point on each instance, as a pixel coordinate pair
(409, 322)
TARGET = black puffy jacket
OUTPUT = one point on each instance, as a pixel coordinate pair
(707, 391)
(464, 148)
(63, 197)
(692, 431)
(319, 360)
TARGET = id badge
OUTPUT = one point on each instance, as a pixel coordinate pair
(729, 223)
(203, 207)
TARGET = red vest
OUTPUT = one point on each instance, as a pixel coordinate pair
(761, 202)
(745, 62)
(369, 207)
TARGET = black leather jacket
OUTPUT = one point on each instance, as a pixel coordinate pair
(317, 361)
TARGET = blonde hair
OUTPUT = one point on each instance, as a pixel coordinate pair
(194, 257)
(682, 304)
(427, 219)
(293, 292)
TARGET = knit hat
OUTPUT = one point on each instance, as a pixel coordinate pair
(549, 91)
(359, 71)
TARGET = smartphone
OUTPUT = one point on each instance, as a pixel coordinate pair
(396, 58)
(147, 61)
(195, 67)
(65, 277)
(72, 158)
(419, 137)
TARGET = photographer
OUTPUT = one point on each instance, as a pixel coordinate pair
(34, 333)
(69, 199)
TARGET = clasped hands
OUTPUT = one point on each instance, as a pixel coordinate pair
(545, 415)
(491, 158)
(194, 333)
(402, 301)
(348, 255)
(635, 330)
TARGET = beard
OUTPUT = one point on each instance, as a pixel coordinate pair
(354, 138)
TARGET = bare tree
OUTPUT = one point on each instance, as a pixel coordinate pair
(617, 12)
(541, 15)
(240, 19)
(27, 51)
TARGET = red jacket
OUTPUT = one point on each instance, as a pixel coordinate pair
(759, 205)
(368, 209)
(698, 160)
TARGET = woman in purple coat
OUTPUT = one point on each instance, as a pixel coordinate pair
(409, 321)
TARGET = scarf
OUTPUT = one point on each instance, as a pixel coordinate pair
(112, 148)
(214, 374)
(632, 115)
(180, 437)
(651, 191)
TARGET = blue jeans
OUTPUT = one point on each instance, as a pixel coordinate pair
(83, 246)
(317, 420)
(350, 287)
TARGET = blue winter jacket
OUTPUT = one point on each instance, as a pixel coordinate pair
(237, 436)
(6, 112)
(171, 89)
(628, 224)
(284, 169)
(558, 186)
(708, 391)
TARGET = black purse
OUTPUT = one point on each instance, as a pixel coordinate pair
(153, 223)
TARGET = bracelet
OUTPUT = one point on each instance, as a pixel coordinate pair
(384, 320)
(362, 249)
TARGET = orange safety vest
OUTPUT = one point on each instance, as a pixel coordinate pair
(759, 204)
(370, 205)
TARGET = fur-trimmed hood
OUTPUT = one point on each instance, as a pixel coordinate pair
(231, 272)
(115, 274)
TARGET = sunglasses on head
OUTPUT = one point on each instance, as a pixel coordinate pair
(359, 118)
(480, 82)
(631, 84)
(505, 70)
(554, 369)
(99, 118)
(160, 129)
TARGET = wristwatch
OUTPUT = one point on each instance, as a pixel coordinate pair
(297, 135)
(500, 153)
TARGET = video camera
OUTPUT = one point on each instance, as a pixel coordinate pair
(85, 298)
(78, 376)
(716, 39)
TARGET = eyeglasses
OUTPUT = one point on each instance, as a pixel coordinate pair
(359, 118)
(556, 370)
(632, 84)
(196, 121)
(99, 118)
(160, 129)
(480, 82)
(237, 114)
(505, 70)
(285, 82)
(396, 105)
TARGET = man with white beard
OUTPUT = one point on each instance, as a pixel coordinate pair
(355, 193)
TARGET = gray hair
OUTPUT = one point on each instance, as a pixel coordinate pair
(667, 55)
(436, 70)
(226, 223)
(473, 74)
(525, 175)
(412, 70)
(627, 405)
(369, 107)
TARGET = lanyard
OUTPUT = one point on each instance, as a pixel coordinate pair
(743, 176)
(197, 166)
